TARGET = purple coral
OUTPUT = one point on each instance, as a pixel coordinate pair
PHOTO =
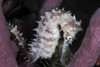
(8, 49)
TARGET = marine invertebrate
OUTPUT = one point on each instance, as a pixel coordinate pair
(47, 5)
(8, 48)
(48, 34)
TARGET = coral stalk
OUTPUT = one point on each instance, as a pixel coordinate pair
(7, 58)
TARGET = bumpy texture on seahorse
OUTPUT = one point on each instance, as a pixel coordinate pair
(48, 34)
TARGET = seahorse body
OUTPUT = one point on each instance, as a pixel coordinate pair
(48, 33)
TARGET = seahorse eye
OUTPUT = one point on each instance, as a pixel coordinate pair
(70, 39)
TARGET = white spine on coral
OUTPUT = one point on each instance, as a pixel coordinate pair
(48, 33)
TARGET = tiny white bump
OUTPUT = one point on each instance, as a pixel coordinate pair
(42, 17)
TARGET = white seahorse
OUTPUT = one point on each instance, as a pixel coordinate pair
(48, 34)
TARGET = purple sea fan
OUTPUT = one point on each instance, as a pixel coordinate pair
(48, 34)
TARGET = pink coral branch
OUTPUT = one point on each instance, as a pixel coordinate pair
(7, 58)
(6, 6)
(49, 4)
(89, 50)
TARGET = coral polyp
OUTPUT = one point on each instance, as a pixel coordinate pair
(48, 34)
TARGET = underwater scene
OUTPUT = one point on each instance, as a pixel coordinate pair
(49, 33)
